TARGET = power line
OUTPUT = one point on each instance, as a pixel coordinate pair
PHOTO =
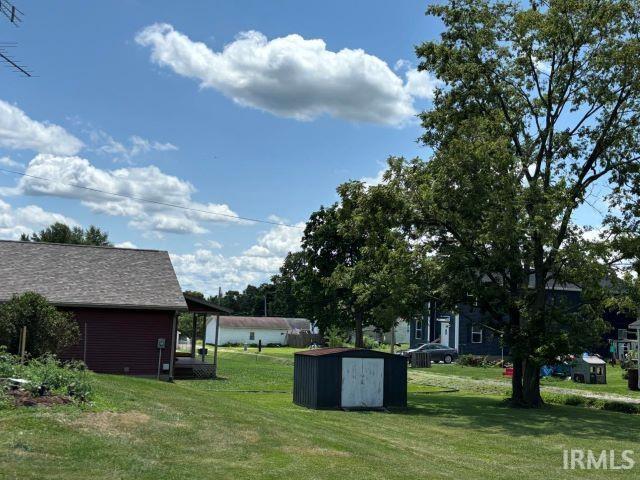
(148, 200)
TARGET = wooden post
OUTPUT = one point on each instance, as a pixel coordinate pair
(193, 336)
(23, 343)
(215, 345)
(204, 335)
(174, 345)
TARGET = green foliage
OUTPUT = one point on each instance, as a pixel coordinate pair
(48, 375)
(370, 343)
(335, 337)
(538, 105)
(48, 329)
(62, 233)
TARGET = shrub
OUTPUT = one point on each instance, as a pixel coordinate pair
(472, 360)
(370, 343)
(8, 363)
(48, 329)
(48, 375)
(334, 337)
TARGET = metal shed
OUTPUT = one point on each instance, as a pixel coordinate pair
(349, 378)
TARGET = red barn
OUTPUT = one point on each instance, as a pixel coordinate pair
(126, 301)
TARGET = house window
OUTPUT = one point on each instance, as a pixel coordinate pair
(418, 329)
(252, 335)
(476, 334)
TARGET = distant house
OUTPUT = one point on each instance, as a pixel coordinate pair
(251, 330)
(402, 333)
(469, 330)
(126, 301)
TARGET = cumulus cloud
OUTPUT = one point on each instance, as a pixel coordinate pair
(126, 244)
(204, 270)
(134, 147)
(19, 132)
(9, 162)
(372, 181)
(16, 221)
(148, 182)
(292, 76)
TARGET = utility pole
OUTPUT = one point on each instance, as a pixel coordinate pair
(265, 305)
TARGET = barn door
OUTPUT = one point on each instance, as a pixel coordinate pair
(362, 382)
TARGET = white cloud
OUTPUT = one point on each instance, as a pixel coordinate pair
(16, 221)
(141, 182)
(204, 270)
(209, 243)
(372, 181)
(8, 162)
(126, 244)
(421, 84)
(18, 131)
(291, 76)
(136, 145)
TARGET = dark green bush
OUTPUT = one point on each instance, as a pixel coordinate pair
(48, 329)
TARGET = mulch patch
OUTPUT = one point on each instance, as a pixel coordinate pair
(23, 398)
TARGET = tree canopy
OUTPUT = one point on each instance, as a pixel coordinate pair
(61, 233)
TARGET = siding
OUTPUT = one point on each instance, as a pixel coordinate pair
(241, 335)
(121, 339)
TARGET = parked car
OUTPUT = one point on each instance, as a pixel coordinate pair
(437, 352)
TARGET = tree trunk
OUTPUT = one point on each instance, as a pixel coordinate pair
(531, 385)
(358, 328)
(517, 397)
(393, 339)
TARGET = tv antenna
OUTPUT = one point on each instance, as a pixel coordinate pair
(14, 15)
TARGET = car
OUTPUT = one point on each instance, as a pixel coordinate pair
(437, 351)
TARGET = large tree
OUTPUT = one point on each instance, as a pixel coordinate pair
(538, 110)
(61, 233)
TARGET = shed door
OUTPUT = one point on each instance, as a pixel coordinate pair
(362, 382)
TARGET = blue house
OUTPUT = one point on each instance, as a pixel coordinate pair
(470, 331)
(467, 330)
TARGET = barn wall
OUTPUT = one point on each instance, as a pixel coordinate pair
(117, 339)
(241, 335)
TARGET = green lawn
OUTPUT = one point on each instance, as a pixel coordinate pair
(143, 429)
(615, 383)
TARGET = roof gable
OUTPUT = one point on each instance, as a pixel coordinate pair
(79, 275)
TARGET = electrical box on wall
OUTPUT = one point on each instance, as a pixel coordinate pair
(161, 343)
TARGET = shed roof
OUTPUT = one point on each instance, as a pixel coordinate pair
(88, 276)
(264, 323)
(594, 360)
(346, 351)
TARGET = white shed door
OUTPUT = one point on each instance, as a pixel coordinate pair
(362, 382)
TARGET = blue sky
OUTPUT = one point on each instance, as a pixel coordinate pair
(140, 98)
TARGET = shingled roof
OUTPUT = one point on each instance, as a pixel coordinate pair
(275, 323)
(79, 275)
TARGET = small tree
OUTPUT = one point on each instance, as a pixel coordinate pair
(48, 329)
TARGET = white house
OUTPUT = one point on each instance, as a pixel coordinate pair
(402, 333)
(251, 330)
